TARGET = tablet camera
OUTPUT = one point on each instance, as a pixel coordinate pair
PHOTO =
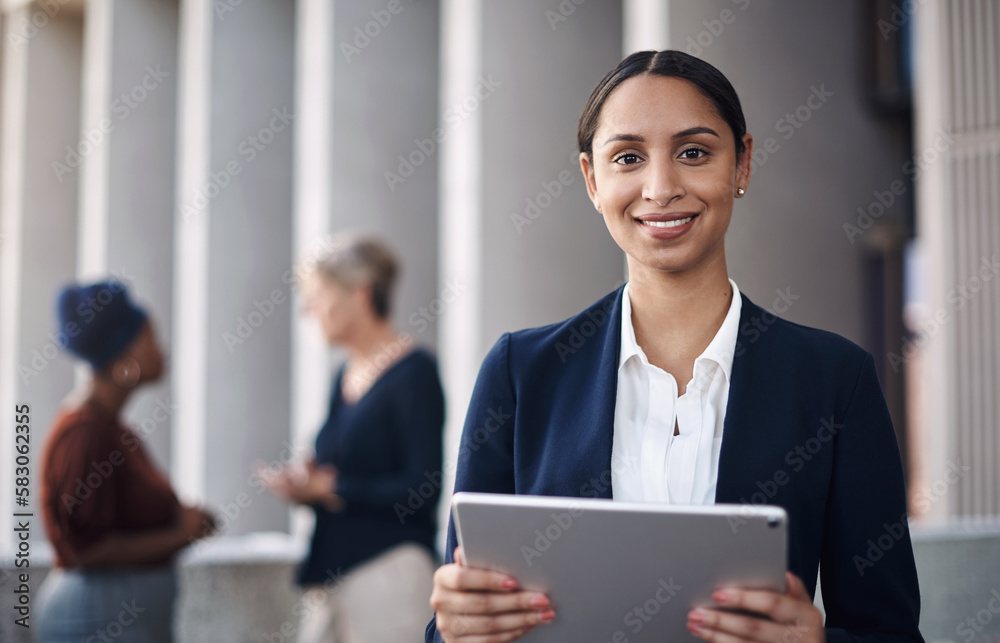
(773, 522)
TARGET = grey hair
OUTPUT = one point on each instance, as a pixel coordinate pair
(353, 261)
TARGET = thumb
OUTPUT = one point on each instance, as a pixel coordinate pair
(796, 588)
(459, 558)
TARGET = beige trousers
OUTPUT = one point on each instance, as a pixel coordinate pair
(385, 600)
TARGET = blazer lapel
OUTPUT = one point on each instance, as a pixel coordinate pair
(740, 451)
(596, 409)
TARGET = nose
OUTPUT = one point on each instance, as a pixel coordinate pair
(663, 181)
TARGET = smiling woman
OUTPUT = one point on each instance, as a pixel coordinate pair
(674, 401)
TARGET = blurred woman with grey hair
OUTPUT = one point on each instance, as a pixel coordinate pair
(374, 479)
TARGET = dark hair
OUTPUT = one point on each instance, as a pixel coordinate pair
(675, 64)
(104, 320)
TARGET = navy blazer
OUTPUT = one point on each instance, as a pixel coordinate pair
(806, 428)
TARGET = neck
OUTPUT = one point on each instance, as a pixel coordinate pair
(370, 340)
(108, 396)
(689, 305)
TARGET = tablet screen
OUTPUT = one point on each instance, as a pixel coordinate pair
(620, 572)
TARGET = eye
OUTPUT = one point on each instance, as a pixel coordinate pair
(693, 154)
(628, 158)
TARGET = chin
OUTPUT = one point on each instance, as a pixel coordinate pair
(337, 335)
(661, 261)
(675, 260)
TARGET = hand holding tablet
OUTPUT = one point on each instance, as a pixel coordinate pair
(469, 603)
(611, 571)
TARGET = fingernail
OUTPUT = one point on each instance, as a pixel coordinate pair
(720, 596)
(540, 601)
(696, 616)
(547, 616)
(694, 629)
(508, 583)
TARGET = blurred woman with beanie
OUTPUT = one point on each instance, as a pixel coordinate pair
(112, 517)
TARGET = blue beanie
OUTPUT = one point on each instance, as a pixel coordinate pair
(98, 321)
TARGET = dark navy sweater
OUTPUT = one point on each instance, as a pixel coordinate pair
(386, 448)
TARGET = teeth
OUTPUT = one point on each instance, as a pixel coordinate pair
(667, 224)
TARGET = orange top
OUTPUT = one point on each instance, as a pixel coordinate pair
(97, 479)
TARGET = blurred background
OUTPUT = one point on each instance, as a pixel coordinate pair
(196, 149)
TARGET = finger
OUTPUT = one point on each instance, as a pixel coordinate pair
(495, 638)
(506, 583)
(779, 607)
(491, 602)
(462, 579)
(724, 627)
(484, 624)
(796, 588)
(715, 636)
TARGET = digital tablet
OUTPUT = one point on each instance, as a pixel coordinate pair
(619, 571)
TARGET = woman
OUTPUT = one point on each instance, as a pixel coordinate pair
(686, 391)
(112, 517)
(374, 481)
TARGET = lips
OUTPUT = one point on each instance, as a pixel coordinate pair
(666, 226)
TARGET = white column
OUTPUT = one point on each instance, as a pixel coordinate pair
(314, 78)
(38, 211)
(249, 185)
(516, 224)
(957, 105)
(934, 421)
(12, 121)
(95, 128)
(141, 185)
(459, 226)
(384, 174)
(128, 125)
(386, 135)
(646, 25)
(189, 371)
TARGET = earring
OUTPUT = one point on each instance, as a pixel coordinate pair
(126, 372)
(740, 192)
(598, 206)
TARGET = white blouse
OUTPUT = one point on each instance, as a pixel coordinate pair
(648, 462)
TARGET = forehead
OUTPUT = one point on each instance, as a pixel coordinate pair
(312, 281)
(656, 105)
(317, 283)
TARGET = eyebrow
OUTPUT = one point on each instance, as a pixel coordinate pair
(691, 131)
